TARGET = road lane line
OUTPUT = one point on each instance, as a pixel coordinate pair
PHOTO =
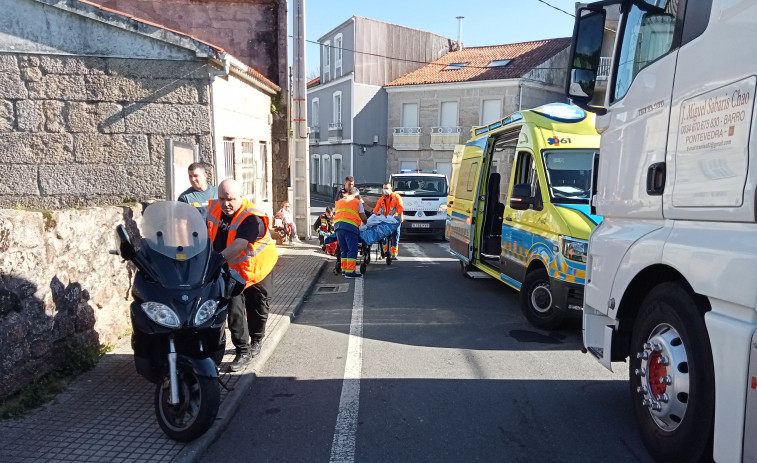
(345, 431)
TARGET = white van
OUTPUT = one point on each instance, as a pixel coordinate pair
(424, 200)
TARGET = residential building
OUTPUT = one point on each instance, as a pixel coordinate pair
(347, 106)
(254, 32)
(88, 117)
(433, 108)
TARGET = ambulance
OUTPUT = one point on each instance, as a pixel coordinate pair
(519, 207)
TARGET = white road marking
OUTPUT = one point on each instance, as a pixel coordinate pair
(345, 431)
(417, 254)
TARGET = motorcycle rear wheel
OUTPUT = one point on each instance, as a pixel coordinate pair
(199, 399)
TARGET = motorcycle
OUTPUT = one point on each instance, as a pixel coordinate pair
(181, 294)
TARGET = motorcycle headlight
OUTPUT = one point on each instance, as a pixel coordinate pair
(161, 314)
(206, 310)
(574, 249)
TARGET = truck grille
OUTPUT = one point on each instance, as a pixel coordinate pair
(425, 213)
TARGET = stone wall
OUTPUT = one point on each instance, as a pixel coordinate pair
(82, 131)
(59, 285)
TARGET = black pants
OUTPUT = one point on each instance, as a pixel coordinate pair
(248, 314)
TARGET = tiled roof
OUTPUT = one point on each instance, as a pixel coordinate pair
(105, 12)
(525, 57)
(314, 82)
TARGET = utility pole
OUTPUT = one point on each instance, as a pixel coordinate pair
(299, 165)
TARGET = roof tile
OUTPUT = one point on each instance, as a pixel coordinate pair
(525, 57)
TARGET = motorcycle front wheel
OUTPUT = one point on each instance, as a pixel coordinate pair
(199, 399)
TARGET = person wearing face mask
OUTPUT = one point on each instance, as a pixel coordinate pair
(390, 203)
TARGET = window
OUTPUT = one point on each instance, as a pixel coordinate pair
(314, 114)
(525, 172)
(410, 115)
(247, 169)
(336, 167)
(337, 119)
(498, 63)
(491, 111)
(454, 66)
(326, 54)
(228, 156)
(338, 53)
(408, 166)
(326, 169)
(261, 174)
(448, 116)
(315, 171)
(646, 37)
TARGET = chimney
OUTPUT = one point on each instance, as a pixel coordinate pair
(460, 32)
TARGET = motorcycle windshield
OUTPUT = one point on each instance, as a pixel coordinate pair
(175, 230)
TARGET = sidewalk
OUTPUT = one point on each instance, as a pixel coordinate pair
(108, 415)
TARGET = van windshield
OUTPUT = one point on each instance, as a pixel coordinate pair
(569, 175)
(420, 185)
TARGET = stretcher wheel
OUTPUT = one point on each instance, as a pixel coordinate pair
(368, 256)
(388, 260)
(363, 266)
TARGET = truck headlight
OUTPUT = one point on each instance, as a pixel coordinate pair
(573, 249)
(161, 314)
(442, 209)
(206, 310)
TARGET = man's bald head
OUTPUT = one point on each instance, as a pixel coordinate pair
(230, 196)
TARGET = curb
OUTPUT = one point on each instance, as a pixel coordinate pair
(194, 450)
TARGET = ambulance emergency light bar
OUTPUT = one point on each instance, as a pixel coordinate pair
(407, 171)
(560, 112)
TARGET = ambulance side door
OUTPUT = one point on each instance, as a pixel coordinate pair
(517, 236)
(464, 208)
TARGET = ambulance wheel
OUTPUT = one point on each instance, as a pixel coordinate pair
(537, 301)
(363, 266)
(672, 375)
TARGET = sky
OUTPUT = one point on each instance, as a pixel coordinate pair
(486, 22)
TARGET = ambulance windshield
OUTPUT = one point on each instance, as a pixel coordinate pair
(569, 175)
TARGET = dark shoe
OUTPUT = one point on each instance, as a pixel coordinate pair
(255, 348)
(241, 361)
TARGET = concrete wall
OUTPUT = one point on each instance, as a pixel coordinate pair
(80, 131)
(347, 30)
(370, 119)
(325, 95)
(59, 287)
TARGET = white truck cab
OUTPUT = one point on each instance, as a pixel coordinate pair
(670, 277)
(424, 200)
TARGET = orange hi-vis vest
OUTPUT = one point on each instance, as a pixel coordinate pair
(390, 205)
(348, 211)
(260, 256)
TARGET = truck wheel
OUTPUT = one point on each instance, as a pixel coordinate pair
(671, 375)
(537, 301)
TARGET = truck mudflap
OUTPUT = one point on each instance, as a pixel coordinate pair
(598, 329)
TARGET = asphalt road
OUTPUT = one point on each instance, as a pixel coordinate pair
(415, 363)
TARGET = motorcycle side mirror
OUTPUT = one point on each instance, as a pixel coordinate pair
(234, 284)
(124, 248)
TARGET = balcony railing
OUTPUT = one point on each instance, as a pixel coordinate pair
(603, 72)
(407, 138)
(315, 134)
(445, 138)
(335, 132)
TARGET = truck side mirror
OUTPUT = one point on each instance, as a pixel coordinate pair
(123, 244)
(586, 49)
(521, 198)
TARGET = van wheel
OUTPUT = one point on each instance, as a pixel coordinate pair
(537, 301)
(672, 375)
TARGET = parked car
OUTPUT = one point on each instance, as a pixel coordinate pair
(370, 192)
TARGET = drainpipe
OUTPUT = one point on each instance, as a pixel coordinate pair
(217, 140)
(520, 94)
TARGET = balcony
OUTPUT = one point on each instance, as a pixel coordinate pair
(603, 72)
(335, 132)
(315, 135)
(407, 138)
(445, 138)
